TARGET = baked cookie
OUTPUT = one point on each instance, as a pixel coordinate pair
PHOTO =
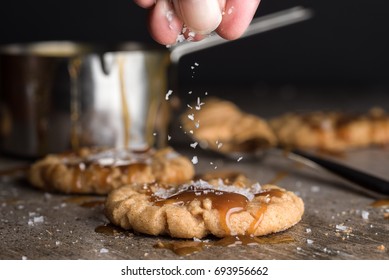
(332, 131)
(200, 208)
(222, 126)
(98, 171)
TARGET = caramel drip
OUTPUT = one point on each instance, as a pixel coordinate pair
(271, 193)
(226, 203)
(85, 201)
(278, 177)
(258, 217)
(109, 230)
(184, 248)
(381, 203)
(181, 248)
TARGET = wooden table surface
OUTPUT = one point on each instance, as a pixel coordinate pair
(339, 221)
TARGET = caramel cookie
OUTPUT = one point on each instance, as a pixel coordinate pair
(98, 171)
(332, 131)
(200, 208)
(222, 126)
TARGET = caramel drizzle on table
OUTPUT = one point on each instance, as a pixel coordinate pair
(226, 203)
(187, 247)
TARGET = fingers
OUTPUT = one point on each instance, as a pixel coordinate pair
(200, 16)
(145, 3)
(164, 24)
(237, 16)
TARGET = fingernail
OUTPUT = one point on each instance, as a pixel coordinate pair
(201, 16)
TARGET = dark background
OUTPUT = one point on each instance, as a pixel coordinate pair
(346, 43)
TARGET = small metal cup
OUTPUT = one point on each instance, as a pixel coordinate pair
(57, 96)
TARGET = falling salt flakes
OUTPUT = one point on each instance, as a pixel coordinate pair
(191, 117)
(239, 159)
(155, 134)
(191, 131)
(195, 160)
(197, 124)
(168, 94)
(309, 241)
(190, 107)
(24, 258)
(194, 145)
(189, 92)
(169, 137)
(199, 104)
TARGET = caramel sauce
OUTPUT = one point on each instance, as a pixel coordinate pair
(226, 203)
(14, 171)
(181, 248)
(110, 230)
(125, 111)
(184, 248)
(271, 193)
(381, 203)
(74, 69)
(85, 201)
(278, 177)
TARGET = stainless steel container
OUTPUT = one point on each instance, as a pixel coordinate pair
(57, 96)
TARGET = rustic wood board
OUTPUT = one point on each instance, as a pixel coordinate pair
(38, 225)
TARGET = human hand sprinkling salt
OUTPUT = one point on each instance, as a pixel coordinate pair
(197, 18)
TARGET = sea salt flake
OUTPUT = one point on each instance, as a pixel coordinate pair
(309, 241)
(168, 94)
(189, 92)
(194, 145)
(197, 124)
(104, 250)
(190, 107)
(239, 159)
(169, 137)
(191, 117)
(39, 219)
(342, 227)
(195, 160)
(365, 215)
(24, 258)
(196, 64)
(308, 230)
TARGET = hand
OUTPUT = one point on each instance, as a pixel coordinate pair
(229, 18)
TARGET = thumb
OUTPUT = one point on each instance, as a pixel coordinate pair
(200, 16)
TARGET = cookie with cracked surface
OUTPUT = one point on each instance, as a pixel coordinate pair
(98, 171)
(332, 131)
(201, 208)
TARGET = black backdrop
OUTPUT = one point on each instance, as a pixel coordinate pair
(345, 43)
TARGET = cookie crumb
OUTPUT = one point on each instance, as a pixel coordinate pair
(381, 248)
